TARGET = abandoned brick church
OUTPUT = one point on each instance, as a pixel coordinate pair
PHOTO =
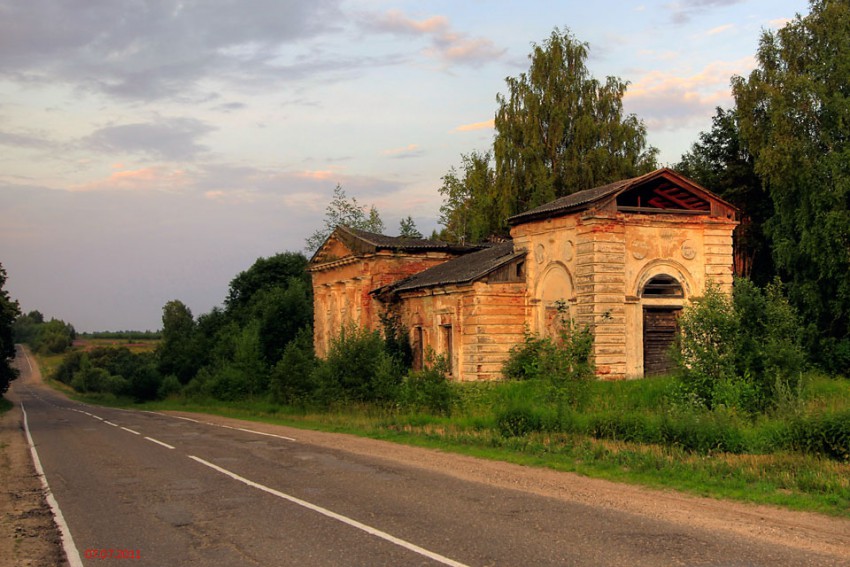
(624, 257)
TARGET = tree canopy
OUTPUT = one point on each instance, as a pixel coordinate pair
(346, 211)
(558, 130)
(9, 310)
(721, 162)
(794, 115)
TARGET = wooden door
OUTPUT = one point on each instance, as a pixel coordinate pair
(659, 331)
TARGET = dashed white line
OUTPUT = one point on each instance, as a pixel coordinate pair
(339, 517)
(130, 430)
(71, 551)
(158, 442)
(110, 423)
(264, 433)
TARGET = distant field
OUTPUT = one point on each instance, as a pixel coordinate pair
(135, 345)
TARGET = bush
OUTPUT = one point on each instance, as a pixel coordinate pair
(741, 352)
(825, 434)
(429, 389)
(565, 362)
(518, 421)
(357, 368)
(291, 378)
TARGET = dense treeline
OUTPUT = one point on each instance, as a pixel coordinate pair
(46, 337)
(9, 311)
(781, 155)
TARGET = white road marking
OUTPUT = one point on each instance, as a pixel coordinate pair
(226, 426)
(71, 551)
(96, 416)
(130, 430)
(110, 423)
(158, 442)
(339, 517)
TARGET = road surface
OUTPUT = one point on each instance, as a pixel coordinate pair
(176, 490)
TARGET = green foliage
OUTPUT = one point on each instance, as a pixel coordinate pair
(823, 434)
(280, 271)
(794, 117)
(407, 228)
(469, 213)
(565, 362)
(721, 162)
(518, 421)
(9, 311)
(559, 130)
(742, 351)
(291, 379)
(344, 211)
(176, 355)
(281, 312)
(429, 389)
(706, 345)
(358, 368)
(45, 337)
(113, 370)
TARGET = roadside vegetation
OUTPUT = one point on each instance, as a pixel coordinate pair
(758, 408)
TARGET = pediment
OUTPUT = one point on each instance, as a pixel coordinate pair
(663, 194)
(332, 250)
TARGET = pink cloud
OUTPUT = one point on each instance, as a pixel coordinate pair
(486, 125)
(666, 101)
(145, 179)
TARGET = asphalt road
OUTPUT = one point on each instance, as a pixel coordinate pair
(182, 492)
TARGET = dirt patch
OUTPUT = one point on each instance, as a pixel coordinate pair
(28, 535)
(801, 530)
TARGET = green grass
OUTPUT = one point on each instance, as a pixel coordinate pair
(760, 473)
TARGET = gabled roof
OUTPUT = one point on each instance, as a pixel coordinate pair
(599, 196)
(462, 270)
(364, 242)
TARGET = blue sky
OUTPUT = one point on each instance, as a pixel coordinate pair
(151, 150)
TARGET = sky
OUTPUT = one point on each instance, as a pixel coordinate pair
(151, 150)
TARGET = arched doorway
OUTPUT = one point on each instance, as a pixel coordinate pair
(554, 289)
(662, 298)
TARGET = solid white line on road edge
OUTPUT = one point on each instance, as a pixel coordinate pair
(130, 430)
(67, 541)
(339, 517)
(158, 442)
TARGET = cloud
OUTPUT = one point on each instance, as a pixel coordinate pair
(144, 179)
(24, 140)
(720, 29)
(150, 50)
(682, 12)
(779, 22)
(447, 45)
(408, 151)
(169, 139)
(486, 125)
(669, 101)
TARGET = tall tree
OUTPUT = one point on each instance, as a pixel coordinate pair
(346, 211)
(176, 355)
(9, 311)
(720, 162)
(794, 112)
(559, 130)
(468, 212)
(266, 273)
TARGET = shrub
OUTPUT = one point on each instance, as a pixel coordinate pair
(825, 434)
(565, 361)
(740, 352)
(518, 421)
(429, 389)
(291, 378)
(357, 368)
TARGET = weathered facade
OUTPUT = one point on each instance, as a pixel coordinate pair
(624, 258)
